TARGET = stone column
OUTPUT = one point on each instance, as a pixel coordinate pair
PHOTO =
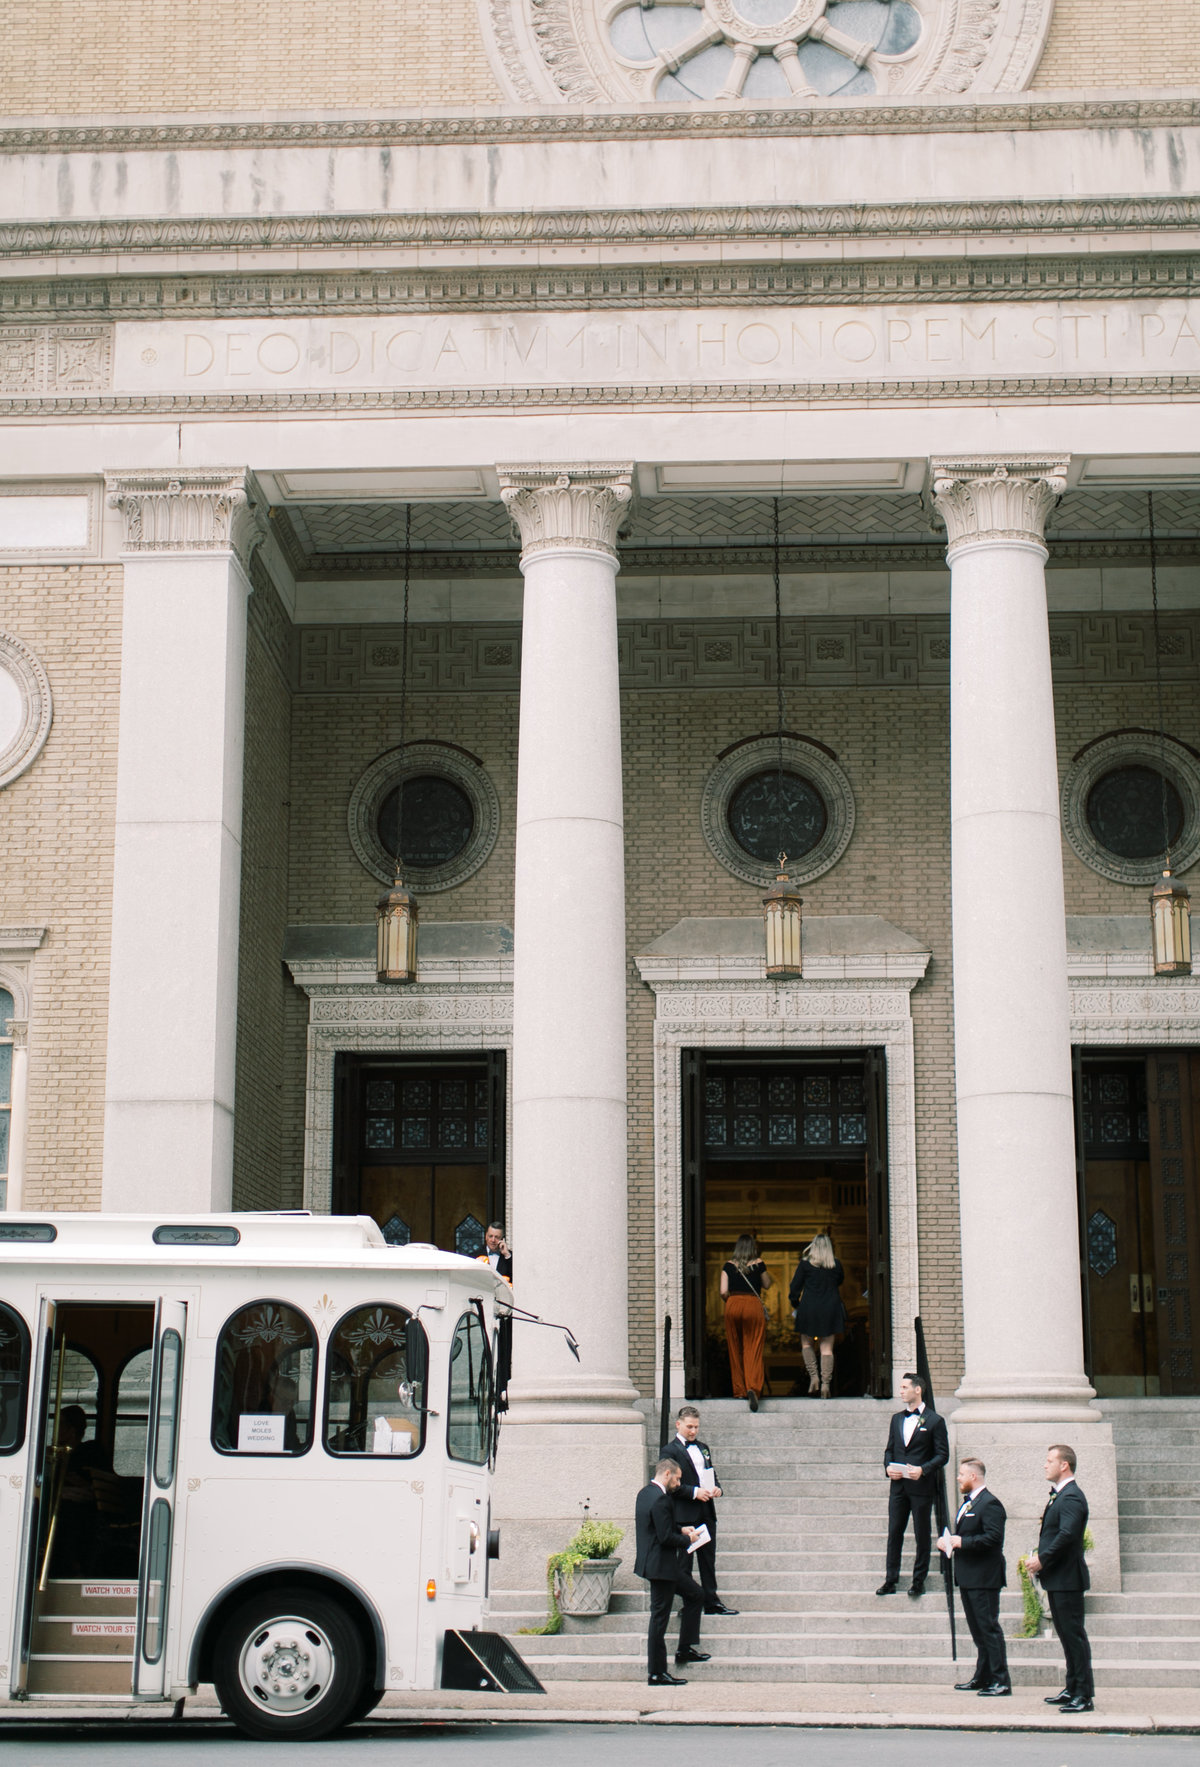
(569, 1198)
(172, 1023)
(1024, 1384)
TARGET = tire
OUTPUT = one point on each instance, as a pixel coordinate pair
(367, 1702)
(289, 1666)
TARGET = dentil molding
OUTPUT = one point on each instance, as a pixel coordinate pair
(549, 51)
(997, 500)
(560, 508)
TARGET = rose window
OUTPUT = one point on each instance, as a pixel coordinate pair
(763, 50)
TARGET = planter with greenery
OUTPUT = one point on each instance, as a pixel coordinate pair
(579, 1579)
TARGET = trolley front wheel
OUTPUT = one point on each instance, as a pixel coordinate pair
(289, 1666)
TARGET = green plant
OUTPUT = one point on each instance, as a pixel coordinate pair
(1031, 1602)
(593, 1540)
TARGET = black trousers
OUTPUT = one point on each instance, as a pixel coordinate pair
(663, 1591)
(982, 1610)
(909, 1497)
(1066, 1610)
(705, 1558)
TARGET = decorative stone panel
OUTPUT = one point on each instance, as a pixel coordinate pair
(26, 708)
(419, 759)
(1132, 748)
(799, 757)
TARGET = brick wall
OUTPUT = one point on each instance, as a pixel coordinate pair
(74, 57)
(261, 1180)
(56, 855)
(1118, 47)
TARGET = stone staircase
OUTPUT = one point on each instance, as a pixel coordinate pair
(803, 1526)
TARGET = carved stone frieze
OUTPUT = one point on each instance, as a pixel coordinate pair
(899, 651)
(885, 116)
(188, 511)
(561, 508)
(997, 500)
(494, 230)
(56, 359)
(564, 49)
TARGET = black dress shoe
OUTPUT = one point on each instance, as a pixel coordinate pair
(996, 1691)
(718, 1607)
(753, 1400)
(967, 1686)
(692, 1656)
(665, 1680)
(1058, 1699)
(886, 1589)
(1077, 1705)
(916, 1590)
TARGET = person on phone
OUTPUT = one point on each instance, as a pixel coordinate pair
(662, 1559)
(917, 1450)
(744, 1281)
(496, 1252)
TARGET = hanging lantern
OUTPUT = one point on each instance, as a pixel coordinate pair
(396, 935)
(1171, 925)
(781, 906)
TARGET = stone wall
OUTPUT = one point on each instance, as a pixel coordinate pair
(262, 1179)
(56, 856)
(83, 57)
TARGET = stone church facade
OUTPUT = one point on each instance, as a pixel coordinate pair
(731, 393)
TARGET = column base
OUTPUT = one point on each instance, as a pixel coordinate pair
(1013, 1448)
(1015, 1398)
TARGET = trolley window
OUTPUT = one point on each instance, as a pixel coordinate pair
(265, 1378)
(370, 1406)
(14, 1379)
(468, 1431)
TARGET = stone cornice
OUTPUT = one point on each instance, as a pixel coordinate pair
(276, 294)
(565, 508)
(997, 499)
(876, 116)
(1083, 389)
(188, 511)
(495, 230)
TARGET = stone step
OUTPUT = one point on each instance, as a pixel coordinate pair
(910, 1670)
(787, 1643)
(1136, 1611)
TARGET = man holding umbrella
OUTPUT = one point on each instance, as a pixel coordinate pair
(977, 1547)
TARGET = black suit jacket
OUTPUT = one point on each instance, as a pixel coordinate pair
(1060, 1543)
(687, 1508)
(929, 1448)
(660, 1544)
(979, 1561)
(503, 1264)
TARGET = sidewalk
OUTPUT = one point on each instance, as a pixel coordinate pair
(816, 1705)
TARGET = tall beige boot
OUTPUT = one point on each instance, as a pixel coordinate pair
(810, 1363)
(826, 1376)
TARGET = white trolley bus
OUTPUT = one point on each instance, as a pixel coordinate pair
(248, 1449)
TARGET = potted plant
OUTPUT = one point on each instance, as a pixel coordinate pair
(579, 1579)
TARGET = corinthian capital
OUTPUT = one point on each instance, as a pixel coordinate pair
(188, 511)
(566, 508)
(997, 499)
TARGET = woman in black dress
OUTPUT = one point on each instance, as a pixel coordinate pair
(820, 1315)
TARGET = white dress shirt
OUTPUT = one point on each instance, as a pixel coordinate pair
(968, 1500)
(910, 1424)
(694, 1455)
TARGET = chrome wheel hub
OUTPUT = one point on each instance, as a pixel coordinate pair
(286, 1666)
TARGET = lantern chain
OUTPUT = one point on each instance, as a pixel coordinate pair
(779, 699)
(403, 690)
(1158, 684)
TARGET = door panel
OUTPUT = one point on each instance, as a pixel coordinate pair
(1123, 1356)
(879, 1217)
(162, 1460)
(41, 1374)
(1174, 1098)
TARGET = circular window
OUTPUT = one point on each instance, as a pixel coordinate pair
(25, 708)
(437, 821)
(763, 827)
(451, 816)
(1130, 809)
(1112, 806)
(740, 810)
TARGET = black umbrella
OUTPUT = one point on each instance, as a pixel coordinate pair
(941, 1507)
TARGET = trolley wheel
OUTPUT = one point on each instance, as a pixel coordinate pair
(289, 1666)
(367, 1702)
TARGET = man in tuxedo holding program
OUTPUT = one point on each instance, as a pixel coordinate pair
(977, 1544)
(917, 1450)
(662, 1559)
(1061, 1568)
(696, 1498)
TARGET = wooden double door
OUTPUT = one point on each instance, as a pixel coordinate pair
(1138, 1145)
(419, 1146)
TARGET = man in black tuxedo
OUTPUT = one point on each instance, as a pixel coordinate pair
(1061, 1569)
(496, 1252)
(696, 1498)
(977, 1544)
(917, 1450)
(662, 1560)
